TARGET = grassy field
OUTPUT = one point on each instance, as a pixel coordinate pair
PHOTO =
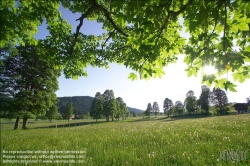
(223, 140)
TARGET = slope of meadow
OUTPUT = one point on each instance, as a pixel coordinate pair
(221, 140)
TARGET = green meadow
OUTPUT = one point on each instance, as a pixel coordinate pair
(221, 140)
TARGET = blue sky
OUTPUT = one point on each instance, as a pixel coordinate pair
(174, 84)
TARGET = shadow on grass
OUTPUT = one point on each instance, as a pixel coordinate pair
(172, 118)
(75, 124)
(161, 119)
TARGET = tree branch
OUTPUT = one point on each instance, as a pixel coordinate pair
(121, 48)
(83, 16)
(182, 9)
(171, 13)
(216, 20)
(110, 35)
(161, 30)
(224, 32)
(160, 5)
(108, 16)
(163, 26)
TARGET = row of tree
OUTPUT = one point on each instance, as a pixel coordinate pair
(155, 109)
(106, 105)
(216, 98)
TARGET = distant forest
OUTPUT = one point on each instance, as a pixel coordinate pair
(82, 104)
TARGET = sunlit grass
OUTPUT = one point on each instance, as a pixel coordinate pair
(153, 142)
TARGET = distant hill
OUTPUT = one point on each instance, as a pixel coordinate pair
(131, 110)
(82, 104)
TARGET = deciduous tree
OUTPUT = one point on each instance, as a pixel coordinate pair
(97, 106)
(107, 96)
(52, 113)
(191, 104)
(219, 98)
(190, 93)
(145, 36)
(156, 108)
(127, 113)
(29, 82)
(248, 100)
(134, 114)
(148, 110)
(121, 108)
(179, 108)
(167, 105)
(203, 101)
(112, 107)
(69, 111)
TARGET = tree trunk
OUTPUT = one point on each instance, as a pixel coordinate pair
(16, 123)
(107, 119)
(96, 120)
(36, 118)
(112, 119)
(25, 123)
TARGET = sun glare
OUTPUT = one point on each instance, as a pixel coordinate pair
(209, 70)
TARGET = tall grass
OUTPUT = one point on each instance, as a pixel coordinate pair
(198, 141)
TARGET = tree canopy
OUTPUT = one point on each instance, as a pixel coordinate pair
(52, 113)
(191, 104)
(28, 82)
(203, 100)
(69, 111)
(143, 35)
(179, 108)
(248, 100)
(167, 106)
(219, 98)
(149, 109)
(97, 106)
(155, 108)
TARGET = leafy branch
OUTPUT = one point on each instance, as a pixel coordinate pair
(108, 16)
(182, 9)
(160, 5)
(94, 6)
(83, 16)
(224, 36)
(224, 33)
(110, 35)
(216, 20)
(170, 14)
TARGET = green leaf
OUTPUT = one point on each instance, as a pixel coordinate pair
(243, 26)
(181, 41)
(132, 76)
(234, 28)
(209, 78)
(129, 40)
(239, 77)
(75, 77)
(230, 86)
(247, 49)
